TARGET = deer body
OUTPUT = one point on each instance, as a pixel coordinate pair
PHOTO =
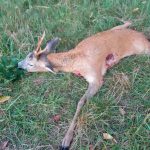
(90, 58)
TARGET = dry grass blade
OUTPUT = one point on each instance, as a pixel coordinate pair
(123, 80)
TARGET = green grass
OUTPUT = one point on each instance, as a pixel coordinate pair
(26, 120)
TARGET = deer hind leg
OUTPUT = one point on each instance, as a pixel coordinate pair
(91, 91)
(123, 26)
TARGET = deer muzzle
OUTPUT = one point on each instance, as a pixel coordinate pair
(21, 65)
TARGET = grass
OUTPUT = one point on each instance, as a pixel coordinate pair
(26, 121)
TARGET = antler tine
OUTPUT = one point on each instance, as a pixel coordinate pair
(39, 43)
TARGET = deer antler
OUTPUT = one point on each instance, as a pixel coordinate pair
(38, 49)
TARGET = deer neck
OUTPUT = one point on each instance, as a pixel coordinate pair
(63, 61)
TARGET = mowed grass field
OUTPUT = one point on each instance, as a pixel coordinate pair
(27, 119)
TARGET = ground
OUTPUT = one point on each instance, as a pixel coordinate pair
(42, 104)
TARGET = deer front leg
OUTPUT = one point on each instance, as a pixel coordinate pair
(92, 89)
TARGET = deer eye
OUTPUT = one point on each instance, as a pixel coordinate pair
(30, 64)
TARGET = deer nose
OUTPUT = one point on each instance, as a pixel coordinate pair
(20, 65)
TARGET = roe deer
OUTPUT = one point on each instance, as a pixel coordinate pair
(90, 58)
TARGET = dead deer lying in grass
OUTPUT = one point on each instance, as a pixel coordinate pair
(90, 58)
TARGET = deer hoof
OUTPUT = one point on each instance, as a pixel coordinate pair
(64, 148)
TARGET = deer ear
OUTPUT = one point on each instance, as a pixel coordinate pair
(51, 45)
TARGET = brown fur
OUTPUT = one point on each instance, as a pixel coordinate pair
(91, 58)
(90, 54)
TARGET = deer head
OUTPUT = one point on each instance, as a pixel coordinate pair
(37, 61)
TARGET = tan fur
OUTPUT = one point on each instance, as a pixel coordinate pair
(90, 54)
(91, 58)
